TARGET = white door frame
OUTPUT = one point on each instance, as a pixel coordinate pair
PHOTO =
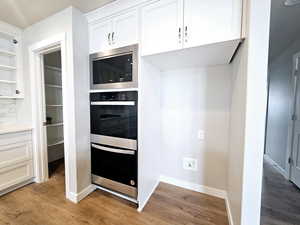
(39, 146)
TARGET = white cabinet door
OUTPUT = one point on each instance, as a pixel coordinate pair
(162, 26)
(211, 21)
(125, 29)
(100, 36)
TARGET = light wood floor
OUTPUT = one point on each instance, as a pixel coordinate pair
(45, 204)
(280, 199)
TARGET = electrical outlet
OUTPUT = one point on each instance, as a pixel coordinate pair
(190, 164)
(201, 135)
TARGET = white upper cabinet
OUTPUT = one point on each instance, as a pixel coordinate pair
(119, 31)
(100, 36)
(211, 21)
(162, 24)
(174, 24)
(125, 29)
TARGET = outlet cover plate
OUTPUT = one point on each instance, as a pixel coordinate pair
(190, 164)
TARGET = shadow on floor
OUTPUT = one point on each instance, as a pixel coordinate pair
(56, 167)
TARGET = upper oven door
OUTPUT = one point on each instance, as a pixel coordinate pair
(114, 114)
(117, 68)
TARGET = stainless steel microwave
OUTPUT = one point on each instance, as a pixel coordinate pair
(114, 69)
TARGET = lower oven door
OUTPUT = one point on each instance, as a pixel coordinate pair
(115, 169)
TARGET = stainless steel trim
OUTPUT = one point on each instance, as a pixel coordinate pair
(129, 103)
(115, 186)
(118, 194)
(114, 150)
(112, 53)
(114, 141)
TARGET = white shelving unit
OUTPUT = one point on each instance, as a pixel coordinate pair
(7, 53)
(10, 65)
(54, 112)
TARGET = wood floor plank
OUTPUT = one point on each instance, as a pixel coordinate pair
(280, 199)
(45, 204)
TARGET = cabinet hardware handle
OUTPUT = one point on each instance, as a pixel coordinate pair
(108, 37)
(113, 38)
(186, 34)
(179, 35)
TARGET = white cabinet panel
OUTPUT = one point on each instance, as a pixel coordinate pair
(125, 29)
(211, 21)
(15, 174)
(15, 153)
(161, 22)
(100, 36)
(16, 164)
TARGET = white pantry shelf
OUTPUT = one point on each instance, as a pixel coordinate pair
(11, 97)
(5, 67)
(8, 81)
(55, 142)
(54, 105)
(53, 86)
(55, 125)
(7, 53)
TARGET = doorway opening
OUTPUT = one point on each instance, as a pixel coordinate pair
(52, 129)
(53, 110)
(281, 176)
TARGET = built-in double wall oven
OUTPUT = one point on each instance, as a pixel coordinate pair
(114, 119)
(114, 141)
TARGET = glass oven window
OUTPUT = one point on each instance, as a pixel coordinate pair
(116, 69)
(114, 121)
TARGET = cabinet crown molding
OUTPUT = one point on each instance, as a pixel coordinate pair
(115, 8)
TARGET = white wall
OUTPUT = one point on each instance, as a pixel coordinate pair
(73, 24)
(196, 99)
(280, 105)
(248, 118)
(8, 111)
(82, 99)
(237, 133)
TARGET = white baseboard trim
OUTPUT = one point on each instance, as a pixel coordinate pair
(143, 204)
(77, 197)
(276, 166)
(194, 187)
(17, 186)
(228, 209)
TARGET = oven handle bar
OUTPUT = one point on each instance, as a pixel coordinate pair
(129, 103)
(114, 150)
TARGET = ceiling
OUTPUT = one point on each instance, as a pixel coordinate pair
(23, 13)
(284, 27)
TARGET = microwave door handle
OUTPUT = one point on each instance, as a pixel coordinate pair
(128, 103)
(114, 150)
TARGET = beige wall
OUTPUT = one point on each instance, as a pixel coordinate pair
(196, 99)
